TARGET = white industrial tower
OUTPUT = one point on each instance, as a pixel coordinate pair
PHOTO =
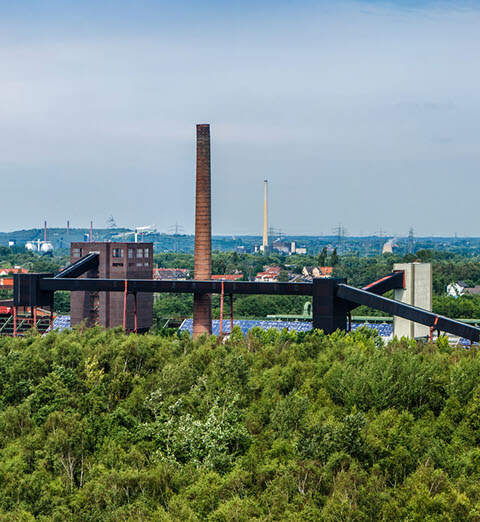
(265, 217)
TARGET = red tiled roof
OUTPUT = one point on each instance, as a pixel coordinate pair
(228, 277)
(7, 271)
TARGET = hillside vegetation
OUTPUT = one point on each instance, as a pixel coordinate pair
(97, 425)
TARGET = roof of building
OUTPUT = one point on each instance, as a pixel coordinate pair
(228, 277)
(16, 270)
(170, 273)
(266, 275)
(475, 290)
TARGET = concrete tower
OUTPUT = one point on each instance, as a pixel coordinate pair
(202, 303)
(265, 217)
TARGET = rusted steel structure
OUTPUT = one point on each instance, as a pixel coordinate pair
(332, 299)
(119, 271)
(202, 303)
(120, 261)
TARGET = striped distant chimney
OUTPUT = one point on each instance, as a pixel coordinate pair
(265, 217)
(202, 303)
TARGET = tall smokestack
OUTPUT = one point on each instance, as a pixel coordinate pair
(202, 303)
(68, 228)
(45, 231)
(91, 231)
(265, 217)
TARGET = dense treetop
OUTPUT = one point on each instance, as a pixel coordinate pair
(98, 425)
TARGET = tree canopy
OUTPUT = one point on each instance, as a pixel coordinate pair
(99, 425)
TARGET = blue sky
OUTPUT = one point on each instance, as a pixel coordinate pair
(364, 113)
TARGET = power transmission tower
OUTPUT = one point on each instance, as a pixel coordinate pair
(176, 229)
(339, 231)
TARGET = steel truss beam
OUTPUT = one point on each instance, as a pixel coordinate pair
(362, 297)
(190, 286)
(332, 298)
(89, 262)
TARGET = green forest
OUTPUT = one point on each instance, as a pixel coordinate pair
(99, 425)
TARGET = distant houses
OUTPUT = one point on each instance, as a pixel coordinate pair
(460, 288)
(178, 274)
(11, 271)
(270, 274)
(228, 277)
(309, 272)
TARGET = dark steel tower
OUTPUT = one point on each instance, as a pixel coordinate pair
(202, 303)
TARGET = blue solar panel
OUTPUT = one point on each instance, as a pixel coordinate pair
(247, 324)
(61, 322)
(384, 329)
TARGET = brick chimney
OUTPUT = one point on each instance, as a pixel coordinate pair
(202, 303)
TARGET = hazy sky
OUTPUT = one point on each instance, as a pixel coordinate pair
(360, 113)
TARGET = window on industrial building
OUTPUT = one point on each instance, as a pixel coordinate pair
(117, 252)
(130, 253)
(139, 252)
(146, 264)
(77, 252)
(147, 252)
(139, 264)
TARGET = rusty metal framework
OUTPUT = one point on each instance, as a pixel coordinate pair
(332, 299)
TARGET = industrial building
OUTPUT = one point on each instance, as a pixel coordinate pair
(109, 309)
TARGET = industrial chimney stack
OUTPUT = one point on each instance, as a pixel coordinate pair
(202, 303)
(265, 217)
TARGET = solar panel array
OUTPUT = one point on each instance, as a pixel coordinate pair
(384, 329)
(62, 322)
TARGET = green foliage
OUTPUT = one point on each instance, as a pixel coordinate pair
(97, 425)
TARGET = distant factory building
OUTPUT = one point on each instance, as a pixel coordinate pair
(287, 247)
(283, 247)
(298, 250)
(388, 246)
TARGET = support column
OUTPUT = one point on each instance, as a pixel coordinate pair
(417, 291)
(221, 311)
(125, 294)
(202, 303)
(14, 321)
(231, 313)
(135, 319)
(328, 312)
